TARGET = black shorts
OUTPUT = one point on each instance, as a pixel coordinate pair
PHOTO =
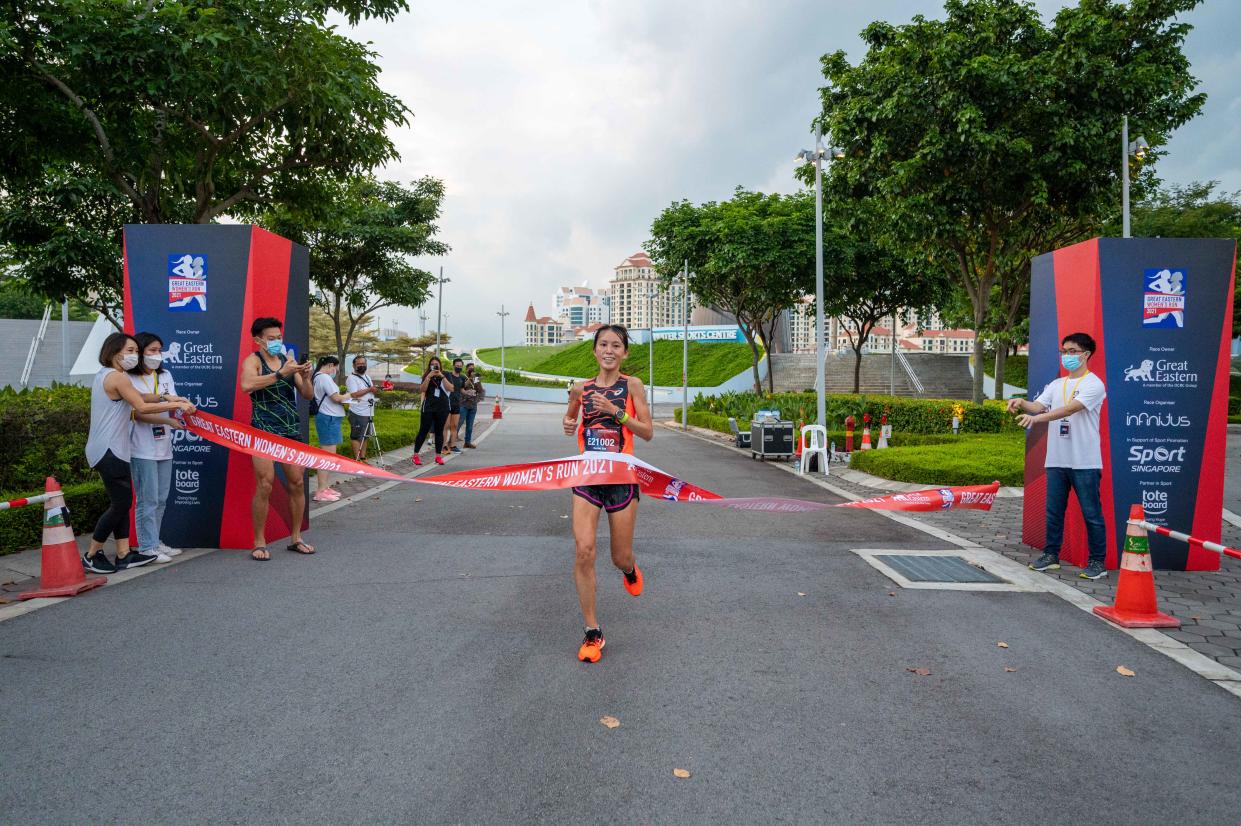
(454, 410)
(357, 425)
(611, 498)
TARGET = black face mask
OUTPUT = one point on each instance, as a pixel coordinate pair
(359, 370)
(456, 369)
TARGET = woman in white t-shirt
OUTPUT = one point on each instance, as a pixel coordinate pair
(150, 448)
(328, 420)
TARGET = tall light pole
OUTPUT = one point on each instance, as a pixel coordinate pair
(1137, 149)
(502, 314)
(446, 336)
(422, 320)
(816, 157)
(439, 312)
(685, 347)
(650, 323)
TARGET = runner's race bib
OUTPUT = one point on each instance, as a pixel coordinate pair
(602, 439)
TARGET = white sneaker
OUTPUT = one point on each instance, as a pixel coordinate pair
(162, 557)
(166, 551)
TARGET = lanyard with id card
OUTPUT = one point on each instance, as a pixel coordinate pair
(1065, 429)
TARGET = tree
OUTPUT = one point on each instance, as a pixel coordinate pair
(870, 283)
(1193, 211)
(751, 256)
(963, 131)
(360, 242)
(193, 107)
(17, 300)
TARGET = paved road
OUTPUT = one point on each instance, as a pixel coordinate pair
(421, 669)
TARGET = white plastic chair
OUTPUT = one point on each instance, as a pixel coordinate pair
(816, 445)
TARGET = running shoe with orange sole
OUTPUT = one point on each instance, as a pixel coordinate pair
(592, 646)
(634, 588)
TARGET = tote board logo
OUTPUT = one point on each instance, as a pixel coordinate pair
(187, 283)
(1163, 302)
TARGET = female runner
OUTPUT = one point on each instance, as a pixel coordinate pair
(614, 410)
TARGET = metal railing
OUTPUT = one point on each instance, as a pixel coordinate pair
(909, 371)
(34, 346)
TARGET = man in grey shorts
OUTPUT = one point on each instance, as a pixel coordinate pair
(362, 412)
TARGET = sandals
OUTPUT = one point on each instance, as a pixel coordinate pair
(298, 546)
(260, 558)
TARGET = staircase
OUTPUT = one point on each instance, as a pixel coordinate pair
(941, 376)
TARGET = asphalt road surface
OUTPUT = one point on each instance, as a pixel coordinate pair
(421, 668)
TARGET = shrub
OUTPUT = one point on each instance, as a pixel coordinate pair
(43, 433)
(395, 428)
(22, 528)
(394, 399)
(906, 415)
(1234, 406)
(968, 460)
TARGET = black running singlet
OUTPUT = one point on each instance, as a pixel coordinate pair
(599, 432)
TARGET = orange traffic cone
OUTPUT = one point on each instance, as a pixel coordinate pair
(798, 436)
(1135, 589)
(495, 411)
(60, 569)
(866, 437)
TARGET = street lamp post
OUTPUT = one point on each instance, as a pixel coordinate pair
(685, 347)
(1137, 149)
(816, 157)
(502, 314)
(650, 323)
(439, 313)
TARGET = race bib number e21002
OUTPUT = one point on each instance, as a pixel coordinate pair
(602, 440)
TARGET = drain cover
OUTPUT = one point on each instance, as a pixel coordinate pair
(924, 568)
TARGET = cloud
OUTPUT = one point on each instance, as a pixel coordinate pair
(561, 129)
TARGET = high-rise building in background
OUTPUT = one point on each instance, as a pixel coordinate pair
(582, 306)
(640, 299)
(915, 332)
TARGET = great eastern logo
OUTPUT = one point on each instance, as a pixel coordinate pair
(1162, 373)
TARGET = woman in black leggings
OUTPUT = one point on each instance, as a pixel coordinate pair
(435, 405)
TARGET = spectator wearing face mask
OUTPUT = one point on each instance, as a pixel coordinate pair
(113, 402)
(362, 412)
(329, 415)
(456, 381)
(472, 393)
(150, 443)
(435, 388)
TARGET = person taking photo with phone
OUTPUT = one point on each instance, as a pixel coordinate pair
(435, 388)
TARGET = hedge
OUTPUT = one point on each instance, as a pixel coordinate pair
(395, 428)
(906, 415)
(43, 433)
(22, 528)
(969, 460)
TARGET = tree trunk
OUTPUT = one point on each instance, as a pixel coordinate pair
(1001, 353)
(980, 316)
(749, 337)
(857, 369)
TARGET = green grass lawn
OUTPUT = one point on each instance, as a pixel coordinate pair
(1016, 369)
(709, 364)
(971, 459)
(395, 428)
(523, 358)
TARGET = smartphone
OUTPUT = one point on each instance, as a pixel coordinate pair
(305, 359)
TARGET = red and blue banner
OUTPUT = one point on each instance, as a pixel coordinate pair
(1160, 310)
(206, 334)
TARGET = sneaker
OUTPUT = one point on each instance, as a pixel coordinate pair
(633, 581)
(456, 449)
(164, 549)
(417, 460)
(439, 460)
(134, 559)
(1046, 562)
(160, 556)
(99, 563)
(1093, 570)
(471, 445)
(592, 646)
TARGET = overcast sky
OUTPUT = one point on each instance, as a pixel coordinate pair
(561, 128)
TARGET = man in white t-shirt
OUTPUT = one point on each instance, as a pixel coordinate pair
(362, 411)
(1071, 406)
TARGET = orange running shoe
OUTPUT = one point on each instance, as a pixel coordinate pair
(634, 586)
(592, 646)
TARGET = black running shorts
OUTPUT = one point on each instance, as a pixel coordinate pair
(611, 498)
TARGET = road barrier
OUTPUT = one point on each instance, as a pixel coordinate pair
(60, 569)
(1136, 605)
(1184, 537)
(29, 500)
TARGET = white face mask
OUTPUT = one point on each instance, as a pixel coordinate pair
(129, 361)
(153, 362)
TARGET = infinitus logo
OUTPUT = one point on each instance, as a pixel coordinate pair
(1155, 420)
